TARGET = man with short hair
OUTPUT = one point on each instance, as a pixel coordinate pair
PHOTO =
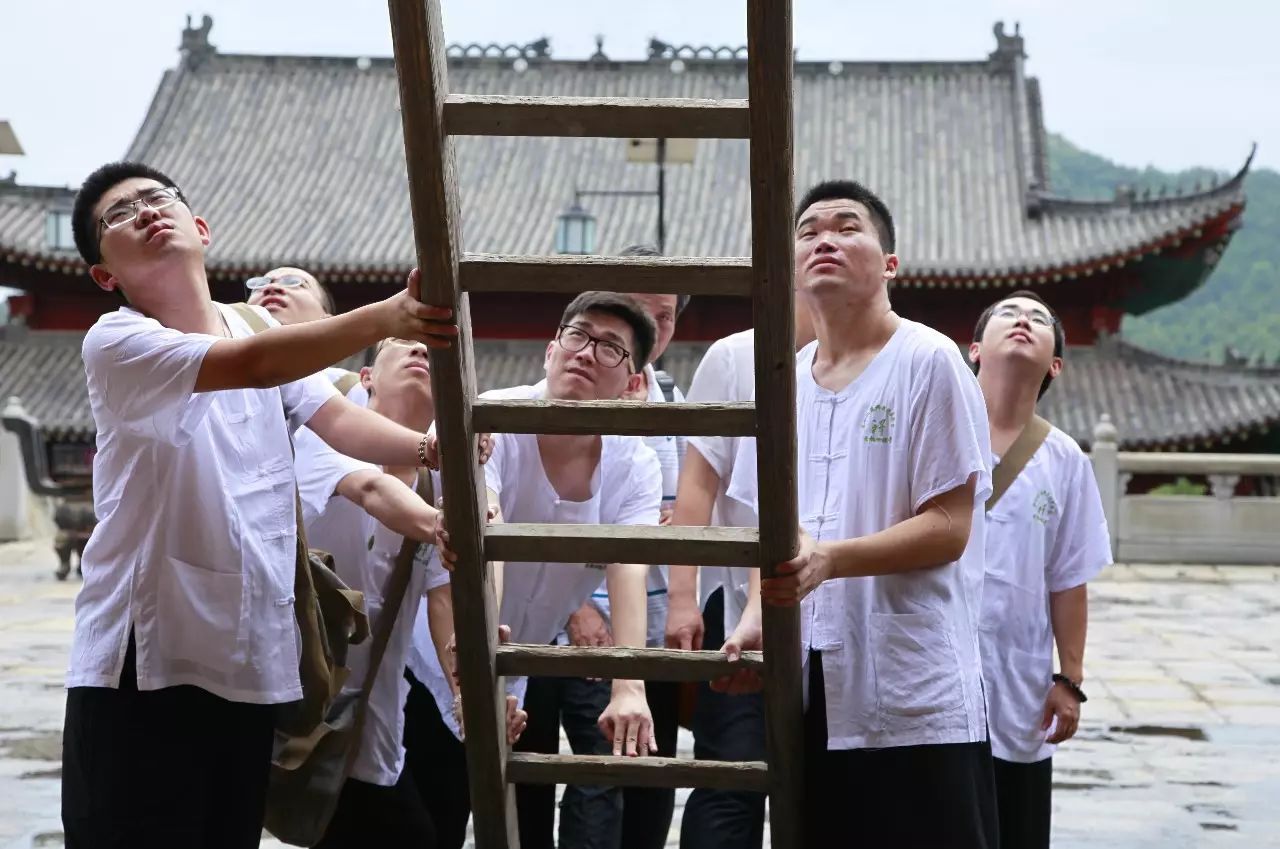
(1046, 539)
(380, 804)
(185, 620)
(893, 471)
(291, 295)
(642, 815)
(597, 353)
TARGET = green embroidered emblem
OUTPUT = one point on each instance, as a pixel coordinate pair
(877, 424)
(1044, 508)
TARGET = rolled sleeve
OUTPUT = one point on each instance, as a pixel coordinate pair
(142, 376)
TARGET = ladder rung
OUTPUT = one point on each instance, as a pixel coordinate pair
(629, 418)
(611, 771)
(570, 275)
(652, 544)
(596, 117)
(617, 662)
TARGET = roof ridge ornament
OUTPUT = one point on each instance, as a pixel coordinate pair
(1009, 48)
(540, 49)
(599, 58)
(661, 50)
(195, 47)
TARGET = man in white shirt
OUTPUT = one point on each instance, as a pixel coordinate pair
(596, 354)
(185, 635)
(643, 814)
(380, 804)
(1046, 539)
(726, 726)
(893, 470)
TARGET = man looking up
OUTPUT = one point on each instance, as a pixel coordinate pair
(893, 472)
(186, 616)
(1046, 539)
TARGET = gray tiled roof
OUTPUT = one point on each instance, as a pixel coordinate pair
(300, 159)
(1155, 402)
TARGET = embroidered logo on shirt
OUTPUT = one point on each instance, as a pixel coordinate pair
(1044, 507)
(877, 425)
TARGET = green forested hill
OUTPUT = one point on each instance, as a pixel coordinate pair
(1239, 306)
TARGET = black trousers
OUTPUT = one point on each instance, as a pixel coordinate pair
(163, 768)
(907, 797)
(438, 762)
(725, 728)
(590, 816)
(647, 811)
(1024, 794)
(374, 815)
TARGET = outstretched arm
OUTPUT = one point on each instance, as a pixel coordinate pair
(280, 355)
(389, 500)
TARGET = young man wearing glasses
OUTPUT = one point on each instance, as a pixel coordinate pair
(602, 343)
(293, 295)
(1046, 539)
(185, 635)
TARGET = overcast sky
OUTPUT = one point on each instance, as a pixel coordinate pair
(1172, 83)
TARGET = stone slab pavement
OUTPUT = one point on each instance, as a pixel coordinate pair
(1179, 744)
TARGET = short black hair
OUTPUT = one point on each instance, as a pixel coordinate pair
(682, 301)
(84, 225)
(1059, 334)
(855, 191)
(643, 331)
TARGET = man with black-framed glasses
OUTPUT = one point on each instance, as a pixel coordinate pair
(602, 343)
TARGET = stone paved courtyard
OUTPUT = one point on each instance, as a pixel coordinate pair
(1179, 744)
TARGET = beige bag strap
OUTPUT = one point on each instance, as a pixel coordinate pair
(251, 317)
(1017, 457)
(345, 383)
(393, 600)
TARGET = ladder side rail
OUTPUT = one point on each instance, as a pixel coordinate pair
(423, 83)
(770, 71)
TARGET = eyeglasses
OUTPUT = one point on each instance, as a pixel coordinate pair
(287, 281)
(127, 211)
(573, 340)
(1040, 318)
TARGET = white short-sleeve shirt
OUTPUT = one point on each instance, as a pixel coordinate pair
(538, 598)
(365, 553)
(726, 373)
(899, 652)
(195, 543)
(670, 452)
(1046, 534)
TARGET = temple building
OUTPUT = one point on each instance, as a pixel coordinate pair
(299, 161)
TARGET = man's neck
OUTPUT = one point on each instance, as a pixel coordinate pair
(181, 301)
(559, 447)
(1011, 398)
(851, 329)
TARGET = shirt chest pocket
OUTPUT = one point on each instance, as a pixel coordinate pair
(266, 500)
(917, 670)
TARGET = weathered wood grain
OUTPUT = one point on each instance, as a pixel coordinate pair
(596, 117)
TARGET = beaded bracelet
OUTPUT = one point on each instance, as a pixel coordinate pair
(1072, 686)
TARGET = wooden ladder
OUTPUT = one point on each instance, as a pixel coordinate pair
(431, 117)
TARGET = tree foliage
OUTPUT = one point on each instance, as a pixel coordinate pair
(1238, 307)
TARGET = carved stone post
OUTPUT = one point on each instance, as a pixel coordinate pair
(1106, 468)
